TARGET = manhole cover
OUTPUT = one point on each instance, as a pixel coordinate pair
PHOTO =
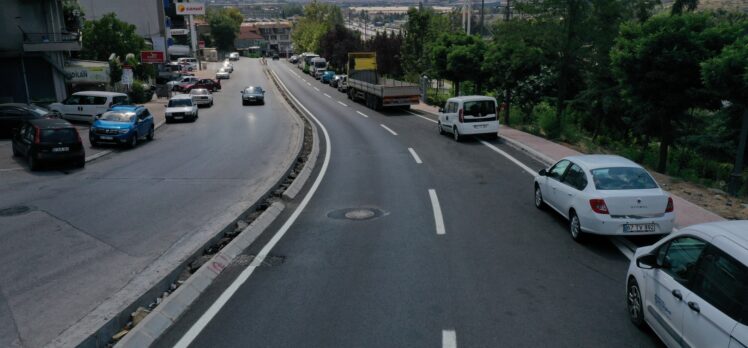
(356, 214)
(15, 210)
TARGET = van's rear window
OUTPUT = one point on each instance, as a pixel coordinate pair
(480, 108)
(64, 135)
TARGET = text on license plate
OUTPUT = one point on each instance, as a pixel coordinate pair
(60, 149)
(639, 228)
(480, 126)
(107, 138)
(177, 117)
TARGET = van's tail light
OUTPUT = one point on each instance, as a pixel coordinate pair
(37, 136)
(598, 206)
(462, 115)
(670, 207)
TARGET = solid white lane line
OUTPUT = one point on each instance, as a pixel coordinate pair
(508, 156)
(421, 116)
(310, 85)
(389, 130)
(316, 89)
(362, 114)
(438, 218)
(449, 339)
(341, 103)
(327, 95)
(203, 321)
(415, 155)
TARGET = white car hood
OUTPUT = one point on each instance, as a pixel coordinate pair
(179, 109)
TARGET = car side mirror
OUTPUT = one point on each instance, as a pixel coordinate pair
(543, 172)
(441, 110)
(647, 261)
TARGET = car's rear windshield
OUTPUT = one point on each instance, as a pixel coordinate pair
(180, 102)
(320, 64)
(622, 178)
(480, 108)
(61, 135)
(117, 116)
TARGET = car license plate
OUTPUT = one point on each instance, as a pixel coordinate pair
(107, 138)
(60, 149)
(480, 125)
(177, 117)
(639, 228)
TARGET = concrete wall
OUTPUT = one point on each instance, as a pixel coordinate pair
(144, 14)
(33, 16)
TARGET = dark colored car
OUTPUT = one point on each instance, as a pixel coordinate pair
(253, 95)
(209, 84)
(327, 76)
(123, 125)
(49, 140)
(14, 114)
(276, 57)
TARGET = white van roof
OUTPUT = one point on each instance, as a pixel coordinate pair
(471, 98)
(100, 94)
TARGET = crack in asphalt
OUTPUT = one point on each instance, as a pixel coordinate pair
(4, 300)
(70, 224)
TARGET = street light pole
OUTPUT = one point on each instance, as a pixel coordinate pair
(507, 92)
(737, 172)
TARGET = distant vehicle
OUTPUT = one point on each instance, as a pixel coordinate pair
(253, 95)
(211, 85)
(12, 115)
(343, 84)
(364, 83)
(86, 106)
(276, 57)
(48, 140)
(184, 79)
(234, 56)
(469, 115)
(228, 66)
(294, 59)
(305, 62)
(201, 96)
(690, 287)
(327, 76)
(222, 74)
(319, 66)
(181, 107)
(191, 62)
(335, 80)
(122, 125)
(605, 194)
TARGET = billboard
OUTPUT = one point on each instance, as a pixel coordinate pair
(151, 56)
(190, 8)
(83, 71)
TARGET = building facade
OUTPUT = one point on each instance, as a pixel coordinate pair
(36, 43)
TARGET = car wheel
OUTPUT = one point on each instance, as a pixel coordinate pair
(80, 163)
(456, 134)
(133, 141)
(634, 303)
(33, 162)
(575, 228)
(441, 129)
(211, 103)
(539, 198)
(151, 133)
(15, 152)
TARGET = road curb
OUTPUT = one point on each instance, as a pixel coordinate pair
(530, 151)
(311, 161)
(175, 305)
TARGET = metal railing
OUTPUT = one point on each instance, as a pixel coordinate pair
(35, 38)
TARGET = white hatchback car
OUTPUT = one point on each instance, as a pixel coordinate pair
(469, 115)
(181, 107)
(605, 194)
(201, 96)
(692, 287)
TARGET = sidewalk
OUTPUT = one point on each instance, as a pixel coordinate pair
(549, 152)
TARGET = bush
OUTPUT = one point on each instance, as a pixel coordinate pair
(546, 117)
(140, 93)
(436, 99)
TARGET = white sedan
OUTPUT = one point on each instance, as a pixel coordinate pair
(222, 73)
(228, 66)
(603, 194)
(201, 96)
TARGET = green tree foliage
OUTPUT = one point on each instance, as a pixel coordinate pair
(335, 45)
(109, 35)
(658, 66)
(457, 57)
(224, 26)
(423, 27)
(319, 18)
(388, 48)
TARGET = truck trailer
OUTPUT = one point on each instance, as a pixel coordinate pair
(365, 84)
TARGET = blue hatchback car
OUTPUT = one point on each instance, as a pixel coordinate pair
(327, 76)
(122, 125)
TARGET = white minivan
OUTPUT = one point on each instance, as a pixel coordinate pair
(191, 61)
(692, 286)
(86, 106)
(469, 115)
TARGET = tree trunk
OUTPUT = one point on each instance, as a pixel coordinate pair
(507, 104)
(457, 88)
(666, 139)
(737, 172)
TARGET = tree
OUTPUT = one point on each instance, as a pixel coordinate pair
(457, 57)
(388, 48)
(727, 74)
(109, 35)
(318, 19)
(657, 64)
(336, 44)
(423, 27)
(224, 25)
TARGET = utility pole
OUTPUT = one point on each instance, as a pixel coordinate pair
(736, 177)
(507, 92)
(482, 14)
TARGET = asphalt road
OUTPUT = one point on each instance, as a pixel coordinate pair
(500, 273)
(96, 231)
